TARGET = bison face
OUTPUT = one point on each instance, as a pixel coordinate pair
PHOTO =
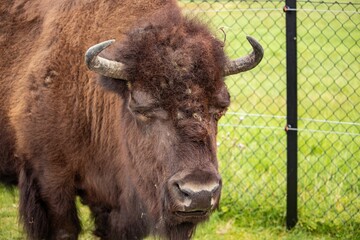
(174, 151)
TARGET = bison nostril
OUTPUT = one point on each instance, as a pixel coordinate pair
(184, 192)
(216, 188)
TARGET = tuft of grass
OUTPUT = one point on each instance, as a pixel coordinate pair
(9, 227)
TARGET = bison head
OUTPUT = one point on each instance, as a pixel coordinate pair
(175, 95)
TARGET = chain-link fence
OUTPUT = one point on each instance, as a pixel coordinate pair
(329, 112)
(252, 140)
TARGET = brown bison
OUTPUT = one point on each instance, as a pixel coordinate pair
(134, 137)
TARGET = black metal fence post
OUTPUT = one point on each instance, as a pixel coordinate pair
(291, 92)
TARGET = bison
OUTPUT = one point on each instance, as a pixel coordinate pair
(131, 129)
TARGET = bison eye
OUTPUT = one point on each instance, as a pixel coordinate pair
(150, 114)
(217, 116)
(142, 117)
(217, 113)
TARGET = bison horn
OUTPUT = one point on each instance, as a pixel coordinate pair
(245, 63)
(101, 65)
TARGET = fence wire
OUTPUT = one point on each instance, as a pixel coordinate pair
(329, 88)
(252, 140)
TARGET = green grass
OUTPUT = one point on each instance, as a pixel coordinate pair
(218, 228)
(252, 142)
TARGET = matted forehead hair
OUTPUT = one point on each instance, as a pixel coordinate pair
(171, 59)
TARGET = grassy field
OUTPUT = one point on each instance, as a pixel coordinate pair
(218, 228)
(252, 142)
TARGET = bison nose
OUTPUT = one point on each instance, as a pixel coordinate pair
(194, 197)
(202, 196)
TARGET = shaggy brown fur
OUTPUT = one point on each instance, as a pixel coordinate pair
(65, 131)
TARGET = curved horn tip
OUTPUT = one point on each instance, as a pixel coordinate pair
(250, 39)
(93, 51)
(248, 62)
(255, 43)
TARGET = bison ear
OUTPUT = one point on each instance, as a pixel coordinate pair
(221, 98)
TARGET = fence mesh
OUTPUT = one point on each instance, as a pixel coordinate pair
(329, 112)
(252, 140)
